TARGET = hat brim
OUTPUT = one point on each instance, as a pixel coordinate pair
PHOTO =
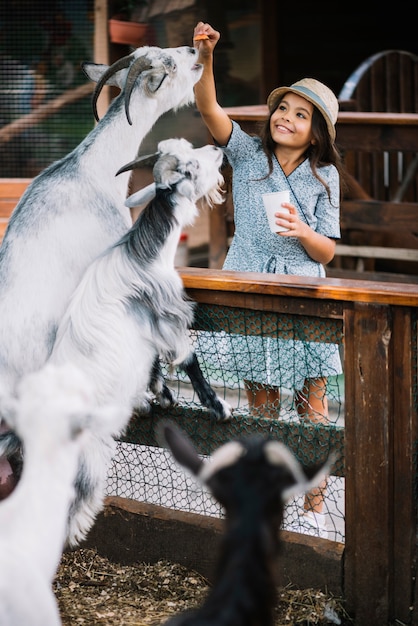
(277, 94)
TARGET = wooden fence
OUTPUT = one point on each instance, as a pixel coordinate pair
(379, 330)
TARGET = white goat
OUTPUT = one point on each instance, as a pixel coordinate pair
(252, 479)
(130, 309)
(75, 208)
(52, 413)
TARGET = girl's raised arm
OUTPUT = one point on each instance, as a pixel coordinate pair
(217, 121)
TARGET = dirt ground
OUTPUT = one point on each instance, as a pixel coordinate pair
(92, 591)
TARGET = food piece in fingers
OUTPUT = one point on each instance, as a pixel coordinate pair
(200, 37)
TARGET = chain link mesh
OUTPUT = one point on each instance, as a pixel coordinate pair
(143, 471)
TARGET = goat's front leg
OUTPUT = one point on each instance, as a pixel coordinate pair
(220, 409)
(158, 386)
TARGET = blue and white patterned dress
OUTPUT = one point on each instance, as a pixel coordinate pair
(254, 248)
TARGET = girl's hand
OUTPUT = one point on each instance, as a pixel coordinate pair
(205, 37)
(295, 227)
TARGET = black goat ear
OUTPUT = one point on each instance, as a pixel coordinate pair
(171, 436)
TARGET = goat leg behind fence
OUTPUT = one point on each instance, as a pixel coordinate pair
(220, 409)
(158, 386)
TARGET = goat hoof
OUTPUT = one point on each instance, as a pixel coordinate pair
(223, 412)
(165, 398)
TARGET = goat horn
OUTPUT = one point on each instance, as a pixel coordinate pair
(120, 64)
(138, 66)
(148, 160)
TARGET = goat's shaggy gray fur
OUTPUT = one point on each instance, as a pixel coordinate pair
(130, 310)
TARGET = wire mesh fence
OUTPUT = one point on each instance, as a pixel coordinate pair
(235, 346)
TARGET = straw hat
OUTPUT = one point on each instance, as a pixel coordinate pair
(315, 92)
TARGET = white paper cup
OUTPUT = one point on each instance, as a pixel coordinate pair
(272, 203)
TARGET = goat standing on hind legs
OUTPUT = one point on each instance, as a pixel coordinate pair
(52, 411)
(130, 310)
(75, 208)
(252, 479)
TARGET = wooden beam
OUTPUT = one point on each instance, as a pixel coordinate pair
(101, 48)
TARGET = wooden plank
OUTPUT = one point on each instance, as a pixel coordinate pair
(352, 274)
(129, 532)
(333, 290)
(303, 438)
(6, 208)
(101, 49)
(404, 428)
(379, 216)
(376, 252)
(13, 188)
(368, 476)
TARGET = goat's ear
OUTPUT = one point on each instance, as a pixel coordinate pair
(94, 71)
(314, 476)
(143, 196)
(153, 79)
(171, 436)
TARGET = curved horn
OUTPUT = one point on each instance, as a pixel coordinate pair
(148, 160)
(120, 64)
(166, 170)
(138, 66)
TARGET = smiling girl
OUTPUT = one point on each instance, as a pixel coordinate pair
(296, 151)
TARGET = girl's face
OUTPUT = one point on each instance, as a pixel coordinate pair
(291, 122)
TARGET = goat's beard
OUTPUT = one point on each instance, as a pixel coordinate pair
(215, 195)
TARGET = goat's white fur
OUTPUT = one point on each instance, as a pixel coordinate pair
(75, 209)
(130, 309)
(53, 412)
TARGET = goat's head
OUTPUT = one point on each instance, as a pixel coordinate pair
(168, 74)
(254, 470)
(193, 173)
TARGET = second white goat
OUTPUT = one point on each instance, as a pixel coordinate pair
(53, 411)
(130, 309)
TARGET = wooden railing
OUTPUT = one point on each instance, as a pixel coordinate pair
(379, 323)
(10, 191)
(381, 421)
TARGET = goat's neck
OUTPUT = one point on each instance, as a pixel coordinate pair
(246, 572)
(114, 142)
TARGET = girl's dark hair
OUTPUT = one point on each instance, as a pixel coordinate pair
(322, 152)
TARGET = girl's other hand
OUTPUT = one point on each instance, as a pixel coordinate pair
(295, 227)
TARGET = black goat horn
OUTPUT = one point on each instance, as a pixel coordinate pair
(148, 160)
(138, 66)
(120, 64)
